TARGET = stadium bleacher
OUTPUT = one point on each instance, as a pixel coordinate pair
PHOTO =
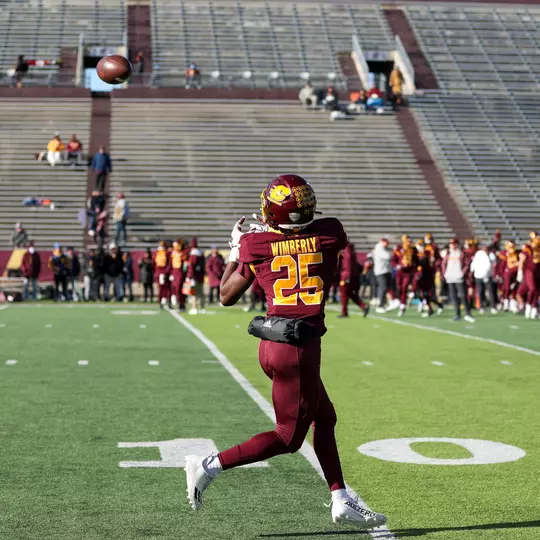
(52, 26)
(480, 47)
(202, 165)
(27, 127)
(255, 44)
(487, 149)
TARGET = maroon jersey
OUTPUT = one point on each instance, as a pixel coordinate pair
(295, 271)
(196, 265)
(215, 266)
(349, 264)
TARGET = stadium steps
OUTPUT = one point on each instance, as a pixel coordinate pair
(198, 166)
(424, 78)
(27, 127)
(486, 148)
(42, 29)
(233, 37)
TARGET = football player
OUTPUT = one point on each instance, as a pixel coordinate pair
(294, 259)
(405, 261)
(349, 283)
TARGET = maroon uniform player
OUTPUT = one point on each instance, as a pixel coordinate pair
(177, 275)
(162, 262)
(425, 278)
(405, 261)
(294, 259)
(509, 262)
(525, 276)
(349, 281)
(215, 266)
(195, 276)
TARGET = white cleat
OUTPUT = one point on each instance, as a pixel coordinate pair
(197, 480)
(439, 311)
(349, 512)
(493, 311)
(380, 310)
(193, 311)
(469, 319)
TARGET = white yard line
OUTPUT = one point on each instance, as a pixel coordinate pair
(5, 306)
(306, 450)
(451, 333)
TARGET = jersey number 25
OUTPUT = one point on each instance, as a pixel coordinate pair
(298, 274)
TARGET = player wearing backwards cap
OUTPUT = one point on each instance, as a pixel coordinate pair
(294, 258)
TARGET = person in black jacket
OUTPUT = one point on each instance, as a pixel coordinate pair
(128, 276)
(114, 273)
(91, 276)
(146, 275)
(73, 273)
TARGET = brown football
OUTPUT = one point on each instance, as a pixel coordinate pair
(114, 69)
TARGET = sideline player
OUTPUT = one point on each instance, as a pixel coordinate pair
(349, 283)
(294, 258)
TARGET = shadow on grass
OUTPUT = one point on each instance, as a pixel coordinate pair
(409, 533)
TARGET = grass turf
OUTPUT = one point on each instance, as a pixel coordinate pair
(60, 425)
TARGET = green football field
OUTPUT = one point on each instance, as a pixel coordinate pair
(100, 404)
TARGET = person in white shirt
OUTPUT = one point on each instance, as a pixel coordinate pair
(121, 215)
(481, 267)
(307, 96)
(382, 269)
(453, 270)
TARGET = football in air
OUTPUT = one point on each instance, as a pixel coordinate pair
(114, 69)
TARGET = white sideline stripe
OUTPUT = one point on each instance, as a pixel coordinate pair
(306, 450)
(5, 306)
(456, 334)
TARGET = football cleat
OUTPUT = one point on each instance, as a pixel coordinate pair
(197, 480)
(349, 512)
(193, 311)
(365, 310)
(380, 310)
(469, 319)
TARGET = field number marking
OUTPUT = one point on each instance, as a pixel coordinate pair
(173, 453)
(483, 452)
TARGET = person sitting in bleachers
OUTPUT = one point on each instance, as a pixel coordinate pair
(330, 100)
(19, 238)
(307, 96)
(375, 100)
(55, 149)
(21, 69)
(193, 76)
(74, 151)
(357, 101)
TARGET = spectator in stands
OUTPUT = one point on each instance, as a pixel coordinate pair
(114, 273)
(215, 267)
(128, 276)
(453, 269)
(55, 149)
(481, 267)
(396, 84)
(307, 96)
(19, 238)
(358, 101)
(101, 226)
(74, 151)
(138, 63)
(59, 264)
(375, 100)
(193, 76)
(382, 268)
(330, 100)
(21, 69)
(146, 275)
(95, 202)
(31, 268)
(74, 270)
(120, 215)
(101, 165)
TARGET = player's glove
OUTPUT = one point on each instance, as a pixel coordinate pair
(236, 234)
(520, 276)
(171, 278)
